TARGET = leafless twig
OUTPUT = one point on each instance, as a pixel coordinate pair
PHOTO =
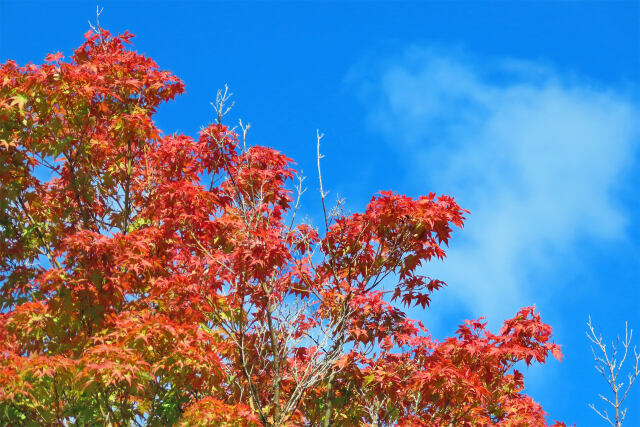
(609, 364)
(221, 103)
(319, 137)
(97, 26)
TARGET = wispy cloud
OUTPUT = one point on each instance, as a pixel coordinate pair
(535, 155)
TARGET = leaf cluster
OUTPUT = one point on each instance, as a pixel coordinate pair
(160, 279)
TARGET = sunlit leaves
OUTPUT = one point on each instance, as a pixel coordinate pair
(167, 280)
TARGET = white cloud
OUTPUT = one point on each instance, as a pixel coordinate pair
(534, 155)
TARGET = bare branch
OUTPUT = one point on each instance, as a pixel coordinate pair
(97, 26)
(220, 106)
(319, 137)
(607, 365)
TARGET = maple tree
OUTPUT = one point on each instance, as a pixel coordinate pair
(149, 279)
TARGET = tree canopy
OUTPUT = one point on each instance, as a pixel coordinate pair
(151, 279)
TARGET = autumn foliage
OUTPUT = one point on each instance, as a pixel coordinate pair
(149, 279)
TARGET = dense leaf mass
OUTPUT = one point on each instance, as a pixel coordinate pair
(155, 280)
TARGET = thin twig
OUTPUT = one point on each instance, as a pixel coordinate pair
(608, 366)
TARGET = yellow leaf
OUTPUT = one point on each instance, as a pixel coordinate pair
(18, 100)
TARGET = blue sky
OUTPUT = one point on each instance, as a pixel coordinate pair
(528, 112)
